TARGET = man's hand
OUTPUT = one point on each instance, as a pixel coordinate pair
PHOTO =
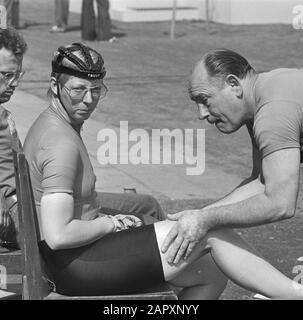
(191, 227)
(4, 216)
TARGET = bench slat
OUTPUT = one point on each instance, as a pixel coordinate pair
(145, 296)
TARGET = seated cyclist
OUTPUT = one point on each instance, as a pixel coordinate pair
(99, 244)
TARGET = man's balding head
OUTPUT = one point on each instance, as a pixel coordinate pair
(219, 84)
(217, 64)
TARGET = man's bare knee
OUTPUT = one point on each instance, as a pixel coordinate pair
(216, 238)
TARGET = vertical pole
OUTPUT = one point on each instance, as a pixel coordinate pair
(88, 21)
(207, 14)
(173, 21)
(15, 14)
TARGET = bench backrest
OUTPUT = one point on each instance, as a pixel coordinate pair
(33, 285)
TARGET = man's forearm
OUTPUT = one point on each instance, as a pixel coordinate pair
(254, 211)
(242, 192)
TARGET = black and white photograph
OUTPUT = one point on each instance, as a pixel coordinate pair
(151, 150)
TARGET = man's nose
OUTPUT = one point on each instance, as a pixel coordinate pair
(88, 98)
(203, 112)
(14, 83)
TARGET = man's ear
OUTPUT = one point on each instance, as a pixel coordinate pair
(235, 84)
(53, 85)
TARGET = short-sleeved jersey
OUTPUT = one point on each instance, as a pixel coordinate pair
(58, 160)
(279, 110)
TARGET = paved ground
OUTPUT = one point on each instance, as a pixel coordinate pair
(147, 78)
(146, 178)
(131, 72)
(148, 89)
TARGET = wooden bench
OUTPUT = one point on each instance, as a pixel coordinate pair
(27, 261)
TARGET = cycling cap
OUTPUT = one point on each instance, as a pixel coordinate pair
(80, 61)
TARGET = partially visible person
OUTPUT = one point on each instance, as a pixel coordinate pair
(100, 30)
(104, 25)
(12, 49)
(88, 21)
(61, 16)
(12, 11)
(92, 247)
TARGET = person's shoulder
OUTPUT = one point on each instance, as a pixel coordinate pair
(279, 85)
(278, 77)
(46, 129)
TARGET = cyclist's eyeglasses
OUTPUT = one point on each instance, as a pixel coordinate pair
(11, 77)
(79, 93)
